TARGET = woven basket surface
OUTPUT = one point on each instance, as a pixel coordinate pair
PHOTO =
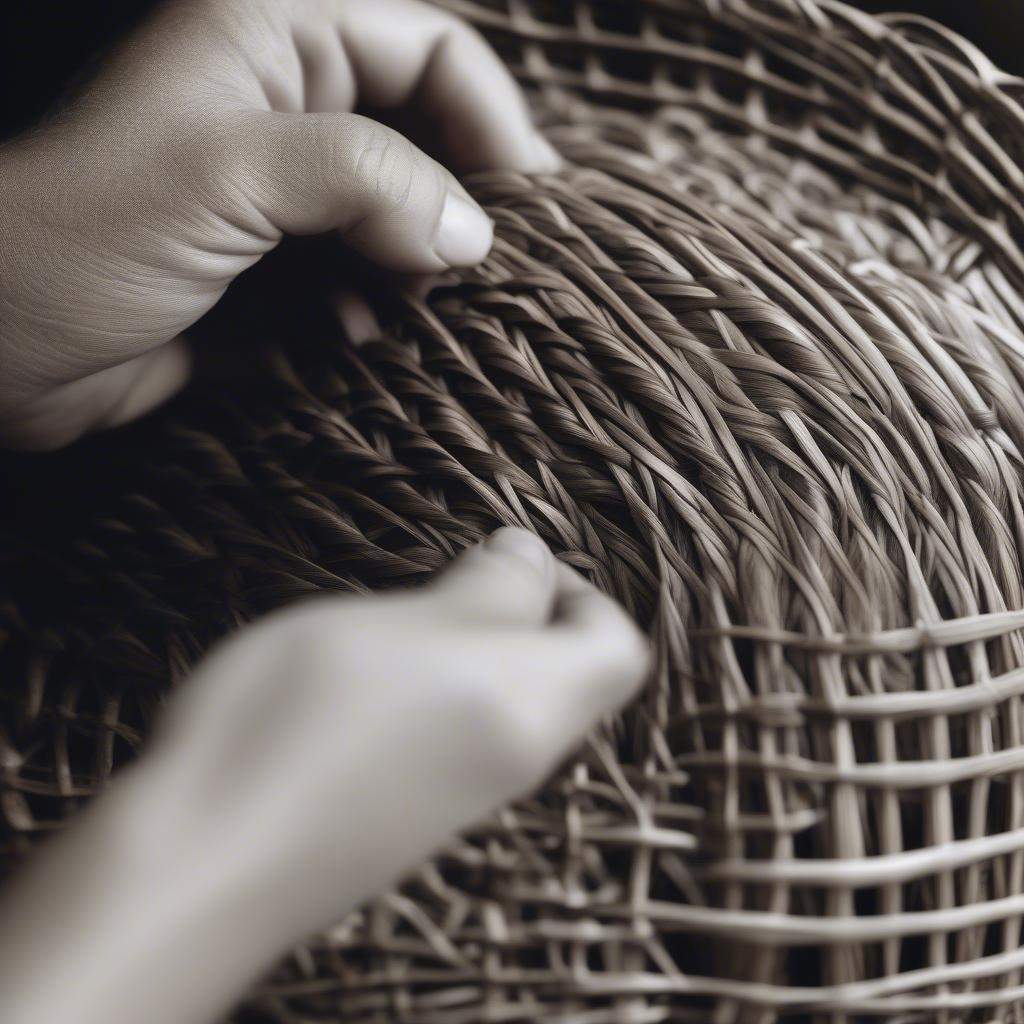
(754, 362)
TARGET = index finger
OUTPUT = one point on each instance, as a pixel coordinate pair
(601, 645)
(405, 52)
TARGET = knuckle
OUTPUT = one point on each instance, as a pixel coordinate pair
(501, 573)
(387, 165)
(457, 30)
(627, 655)
(489, 584)
(612, 653)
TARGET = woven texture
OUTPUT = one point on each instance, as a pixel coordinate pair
(754, 362)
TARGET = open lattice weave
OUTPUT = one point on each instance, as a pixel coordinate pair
(755, 361)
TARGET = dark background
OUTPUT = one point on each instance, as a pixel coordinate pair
(44, 43)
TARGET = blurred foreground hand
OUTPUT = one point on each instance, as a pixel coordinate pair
(308, 763)
(213, 130)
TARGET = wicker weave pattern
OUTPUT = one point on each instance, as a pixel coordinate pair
(733, 365)
(897, 104)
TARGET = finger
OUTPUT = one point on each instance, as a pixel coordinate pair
(357, 318)
(597, 648)
(108, 398)
(404, 52)
(329, 81)
(308, 173)
(508, 579)
(590, 660)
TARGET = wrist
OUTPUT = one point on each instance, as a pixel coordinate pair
(198, 877)
(134, 915)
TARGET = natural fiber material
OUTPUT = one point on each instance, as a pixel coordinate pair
(755, 361)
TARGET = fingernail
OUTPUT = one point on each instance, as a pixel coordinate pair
(465, 233)
(522, 544)
(548, 159)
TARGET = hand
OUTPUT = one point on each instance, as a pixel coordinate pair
(218, 126)
(308, 763)
(415, 714)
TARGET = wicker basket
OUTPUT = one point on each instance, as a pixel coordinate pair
(755, 361)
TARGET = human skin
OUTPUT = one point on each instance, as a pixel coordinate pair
(318, 754)
(308, 763)
(215, 129)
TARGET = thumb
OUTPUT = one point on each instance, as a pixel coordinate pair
(390, 201)
(509, 578)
